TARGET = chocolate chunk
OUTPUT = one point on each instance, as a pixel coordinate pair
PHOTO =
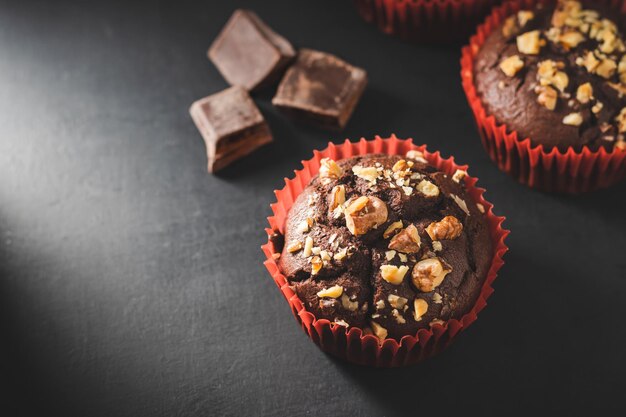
(231, 126)
(248, 53)
(320, 89)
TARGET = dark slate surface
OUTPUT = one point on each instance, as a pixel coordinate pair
(131, 281)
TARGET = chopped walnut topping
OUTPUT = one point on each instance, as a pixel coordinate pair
(437, 246)
(584, 93)
(480, 207)
(396, 301)
(573, 119)
(621, 121)
(333, 292)
(367, 173)
(597, 107)
(416, 156)
(420, 307)
(390, 254)
(338, 196)
(449, 228)
(364, 214)
(316, 265)
(393, 274)
(524, 16)
(396, 315)
(547, 96)
(571, 39)
(349, 305)
(509, 28)
(437, 298)
(428, 188)
(341, 254)
(380, 304)
(429, 273)
(407, 241)
(379, 331)
(294, 247)
(399, 166)
(308, 247)
(392, 228)
(511, 65)
(459, 174)
(589, 61)
(548, 74)
(529, 43)
(606, 68)
(329, 169)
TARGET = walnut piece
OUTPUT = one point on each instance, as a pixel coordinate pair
(529, 43)
(316, 265)
(379, 331)
(364, 214)
(428, 274)
(347, 304)
(573, 119)
(547, 97)
(511, 65)
(416, 156)
(329, 169)
(606, 68)
(584, 93)
(448, 228)
(420, 307)
(333, 292)
(396, 301)
(367, 173)
(294, 247)
(428, 188)
(393, 274)
(458, 175)
(392, 228)
(338, 197)
(407, 241)
(401, 165)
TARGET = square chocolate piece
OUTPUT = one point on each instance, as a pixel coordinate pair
(248, 53)
(231, 126)
(320, 89)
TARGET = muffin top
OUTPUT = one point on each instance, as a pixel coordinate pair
(557, 75)
(387, 244)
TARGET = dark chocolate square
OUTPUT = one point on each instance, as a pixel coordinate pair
(320, 89)
(248, 53)
(231, 126)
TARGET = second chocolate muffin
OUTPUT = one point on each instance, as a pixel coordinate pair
(386, 244)
(557, 74)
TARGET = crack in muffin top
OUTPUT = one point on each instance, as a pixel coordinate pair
(557, 75)
(386, 244)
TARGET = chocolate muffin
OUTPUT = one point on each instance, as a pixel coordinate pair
(557, 75)
(386, 244)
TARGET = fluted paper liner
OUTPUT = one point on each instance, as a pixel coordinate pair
(568, 171)
(437, 21)
(351, 344)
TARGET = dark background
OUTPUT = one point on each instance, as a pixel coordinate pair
(131, 281)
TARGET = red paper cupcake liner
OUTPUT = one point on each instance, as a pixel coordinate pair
(551, 170)
(436, 21)
(351, 344)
